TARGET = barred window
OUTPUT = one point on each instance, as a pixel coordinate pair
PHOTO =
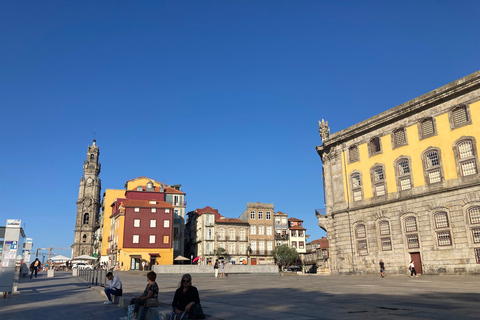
(356, 183)
(399, 138)
(357, 195)
(474, 214)
(362, 247)
(412, 240)
(375, 145)
(432, 167)
(432, 159)
(444, 238)
(405, 184)
(380, 190)
(476, 235)
(356, 186)
(460, 116)
(434, 176)
(378, 174)
(477, 254)
(379, 180)
(466, 155)
(427, 127)
(353, 154)
(386, 244)
(441, 220)
(403, 174)
(361, 232)
(384, 228)
(403, 167)
(465, 149)
(410, 224)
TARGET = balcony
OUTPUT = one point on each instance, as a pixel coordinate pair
(209, 224)
(281, 237)
(241, 238)
(209, 239)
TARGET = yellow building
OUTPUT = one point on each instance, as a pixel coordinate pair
(404, 185)
(138, 224)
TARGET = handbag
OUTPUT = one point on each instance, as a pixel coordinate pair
(151, 303)
(196, 312)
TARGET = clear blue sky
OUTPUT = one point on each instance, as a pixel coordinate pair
(223, 97)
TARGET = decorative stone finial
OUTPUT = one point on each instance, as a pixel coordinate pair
(323, 129)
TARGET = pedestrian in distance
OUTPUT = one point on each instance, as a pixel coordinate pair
(222, 269)
(382, 268)
(114, 287)
(215, 267)
(412, 269)
(34, 267)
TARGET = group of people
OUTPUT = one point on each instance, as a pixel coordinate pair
(184, 300)
(219, 267)
(411, 267)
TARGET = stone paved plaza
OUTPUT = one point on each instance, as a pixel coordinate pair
(261, 297)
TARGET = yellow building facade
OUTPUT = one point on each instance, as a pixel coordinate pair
(404, 185)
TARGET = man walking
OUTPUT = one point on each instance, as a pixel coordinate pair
(114, 287)
(34, 267)
(215, 267)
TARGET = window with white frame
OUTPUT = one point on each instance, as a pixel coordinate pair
(154, 209)
(294, 244)
(167, 210)
(231, 234)
(269, 230)
(252, 215)
(443, 235)
(261, 230)
(151, 239)
(221, 234)
(301, 244)
(166, 223)
(136, 209)
(356, 183)
(269, 245)
(152, 202)
(136, 238)
(268, 215)
(253, 229)
(153, 223)
(465, 155)
(241, 233)
(260, 215)
(404, 174)
(231, 248)
(378, 181)
(241, 248)
(136, 223)
(284, 221)
(432, 167)
(209, 234)
(253, 245)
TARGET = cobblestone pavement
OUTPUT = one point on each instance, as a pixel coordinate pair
(295, 297)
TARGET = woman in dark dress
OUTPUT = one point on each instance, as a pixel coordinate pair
(185, 297)
(151, 291)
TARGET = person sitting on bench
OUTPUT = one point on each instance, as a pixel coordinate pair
(114, 287)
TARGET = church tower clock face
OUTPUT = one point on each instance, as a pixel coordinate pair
(89, 182)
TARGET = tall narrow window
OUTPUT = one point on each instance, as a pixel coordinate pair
(356, 187)
(378, 176)
(474, 215)
(86, 218)
(399, 138)
(466, 158)
(443, 235)
(361, 234)
(410, 227)
(459, 117)
(432, 167)
(384, 228)
(411, 224)
(427, 128)
(385, 240)
(404, 180)
(375, 146)
(353, 154)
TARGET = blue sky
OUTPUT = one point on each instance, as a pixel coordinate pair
(223, 97)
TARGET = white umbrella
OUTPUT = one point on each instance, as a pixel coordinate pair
(60, 258)
(181, 258)
(85, 257)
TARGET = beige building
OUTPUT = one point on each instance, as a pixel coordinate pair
(232, 235)
(404, 185)
(281, 228)
(260, 217)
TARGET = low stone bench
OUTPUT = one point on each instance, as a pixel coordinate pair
(153, 313)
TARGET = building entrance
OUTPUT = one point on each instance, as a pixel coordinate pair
(415, 257)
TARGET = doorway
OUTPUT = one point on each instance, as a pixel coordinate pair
(415, 257)
(253, 261)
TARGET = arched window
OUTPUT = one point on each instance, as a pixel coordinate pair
(432, 166)
(404, 179)
(378, 178)
(84, 238)
(221, 234)
(353, 154)
(86, 218)
(361, 234)
(375, 146)
(466, 158)
(92, 157)
(356, 185)
(411, 230)
(231, 234)
(444, 237)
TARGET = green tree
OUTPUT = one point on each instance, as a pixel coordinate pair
(221, 252)
(285, 256)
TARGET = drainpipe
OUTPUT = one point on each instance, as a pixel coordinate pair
(348, 211)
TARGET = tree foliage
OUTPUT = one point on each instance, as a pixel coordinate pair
(285, 256)
(221, 252)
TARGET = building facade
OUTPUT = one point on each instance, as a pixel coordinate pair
(262, 239)
(88, 206)
(404, 185)
(281, 228)
(297, 235)
(232, 235)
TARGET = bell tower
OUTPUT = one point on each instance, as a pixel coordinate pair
(88, 204)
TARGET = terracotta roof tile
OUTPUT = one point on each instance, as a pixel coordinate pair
(295, 219)
(296, 228)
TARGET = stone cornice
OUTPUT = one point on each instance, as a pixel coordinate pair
(424, 102)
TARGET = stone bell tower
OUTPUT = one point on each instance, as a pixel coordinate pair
(88, 204)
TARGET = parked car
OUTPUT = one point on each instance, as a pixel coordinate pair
(81, 266)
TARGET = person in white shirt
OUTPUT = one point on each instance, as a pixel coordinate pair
(114, 287)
